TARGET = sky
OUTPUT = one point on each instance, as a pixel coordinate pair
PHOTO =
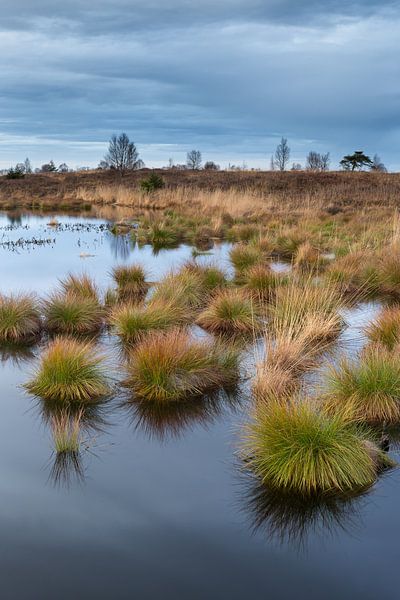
(226, 77)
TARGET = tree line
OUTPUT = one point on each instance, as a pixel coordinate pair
(123, 156)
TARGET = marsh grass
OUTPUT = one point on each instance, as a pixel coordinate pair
(300, 305)
(172, 366)
(131, 281)
(355, 273)
(72, 314)
(132, 321)
(19, 318)
(212, 278)
(230, 311)
(244, 256)
(81, 286)
(385, 329)
(184, 288)
(261, 281)
(365, 390)
(289, 354)
(293, 447)
(69, 371)
(307, 257)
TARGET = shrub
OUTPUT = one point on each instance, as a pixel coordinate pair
(152, 183)
(69, 371)
(230, 311)
(172, 366)
(19, 318)
(367, 390)
(71, 314)
(292, 447)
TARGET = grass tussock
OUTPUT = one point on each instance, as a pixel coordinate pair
(385, 329)
(131, 281)
(308, 304)
(355, 273)
(293, 447)
(212, 278)
(72, 314)
(288, 355)
(81, 286)
(230, 311)
(69, 371)
(66, 431)
(367, 390)
(171, 366)
(185, 287)
(307, 257)
(19, 318)
(243, 257)
(261, 281)
(132, 321)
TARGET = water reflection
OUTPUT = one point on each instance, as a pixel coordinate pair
(17, 354)
(294, 519)
(172, 419)
(67, 469)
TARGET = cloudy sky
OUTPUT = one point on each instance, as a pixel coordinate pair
(228, 77)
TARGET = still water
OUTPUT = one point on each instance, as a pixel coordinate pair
(158, 507)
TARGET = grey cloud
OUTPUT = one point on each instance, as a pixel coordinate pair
(229, 77)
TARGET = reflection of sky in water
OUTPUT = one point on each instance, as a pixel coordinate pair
(91, 250)
(163, 516)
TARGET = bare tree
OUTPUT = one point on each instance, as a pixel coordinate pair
(377, 165)
(122, 154)
(318, 162)
(193, 159)
(282, 154)
(296, 167)
(27, 166)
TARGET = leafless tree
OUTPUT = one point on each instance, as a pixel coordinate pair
(317, 162)
(296, 167)
(282, 154)
(193, 159)
(27, 166)
(377, 165)
(122, 154)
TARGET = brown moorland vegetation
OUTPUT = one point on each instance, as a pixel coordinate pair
(239, 193)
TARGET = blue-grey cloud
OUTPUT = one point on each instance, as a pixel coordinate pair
(228, 77)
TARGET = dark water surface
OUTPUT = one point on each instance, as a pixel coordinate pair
(158, 507)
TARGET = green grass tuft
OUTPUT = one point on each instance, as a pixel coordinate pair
(132, 321)
(69, 371)
(171, 366)
(292, 447)
(367, 390)
(230, 311)
(19, 318)
(71, 314)
(131, 281)
(385, 329)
